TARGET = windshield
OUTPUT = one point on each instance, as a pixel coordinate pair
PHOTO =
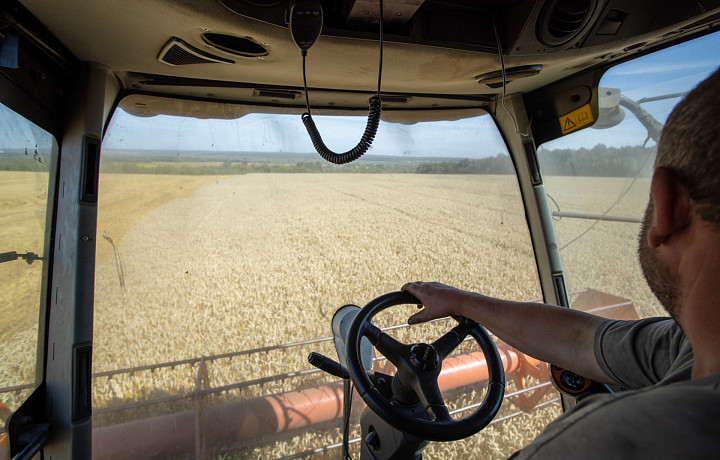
(226, 246)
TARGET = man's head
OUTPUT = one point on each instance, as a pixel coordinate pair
(687, 165)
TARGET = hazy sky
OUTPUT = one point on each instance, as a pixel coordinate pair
(286, 133)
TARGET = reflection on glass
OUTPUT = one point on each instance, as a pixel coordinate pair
(598, 180)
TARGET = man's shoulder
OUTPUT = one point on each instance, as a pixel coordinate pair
(666, 421)
(640, 353)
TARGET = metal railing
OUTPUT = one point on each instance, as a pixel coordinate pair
(193, 361)
(200, 391)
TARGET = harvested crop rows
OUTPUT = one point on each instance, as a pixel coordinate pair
(257, 260)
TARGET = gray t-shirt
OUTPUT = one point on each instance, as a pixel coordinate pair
(663, 414)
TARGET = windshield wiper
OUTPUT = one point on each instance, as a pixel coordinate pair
(29, 257)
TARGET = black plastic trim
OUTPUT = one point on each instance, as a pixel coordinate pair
(91, 170)
(531, 155)
(82, 382)
(560, 290)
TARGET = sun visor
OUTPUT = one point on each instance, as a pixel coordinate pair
(143, 105)
(410, 117)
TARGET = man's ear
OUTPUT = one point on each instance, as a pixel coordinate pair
(672, 204)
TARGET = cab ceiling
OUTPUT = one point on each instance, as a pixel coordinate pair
(433, 55)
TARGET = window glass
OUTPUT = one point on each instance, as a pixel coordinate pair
(226, 246)
(25, 155)
(598, 179)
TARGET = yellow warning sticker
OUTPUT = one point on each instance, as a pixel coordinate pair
(576, 119)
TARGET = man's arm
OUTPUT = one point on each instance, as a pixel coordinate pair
(554, 334)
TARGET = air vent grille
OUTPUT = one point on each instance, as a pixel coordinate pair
(561, 21)
(177, 55)
(276, 94)
(176, 52)
(567, 18)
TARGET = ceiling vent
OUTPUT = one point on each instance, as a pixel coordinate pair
(241, 46)
(560, 21)
(177, 52)
(276, 94)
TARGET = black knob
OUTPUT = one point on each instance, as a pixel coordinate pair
(373, 440)
(572, 381)
(424, 357)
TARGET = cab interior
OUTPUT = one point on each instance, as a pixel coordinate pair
(174, 245)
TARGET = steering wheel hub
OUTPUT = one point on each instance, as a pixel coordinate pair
(424, 357)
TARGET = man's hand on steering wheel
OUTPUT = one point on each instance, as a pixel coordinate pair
(438, 300)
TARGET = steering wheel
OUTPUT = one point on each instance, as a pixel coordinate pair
(418, 367)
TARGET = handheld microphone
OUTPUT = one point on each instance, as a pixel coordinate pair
(306, 20)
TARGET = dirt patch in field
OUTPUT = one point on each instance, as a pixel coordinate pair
(127, 198)
(124, 200)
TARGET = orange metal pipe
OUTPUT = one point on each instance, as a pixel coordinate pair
(469, 368)
(4, 412)
(4, 447)
(171, 435)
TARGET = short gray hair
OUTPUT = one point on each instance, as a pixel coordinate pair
(690, 146)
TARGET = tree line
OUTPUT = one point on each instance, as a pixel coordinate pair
(599, 161)
(499, 164)
(243, 167)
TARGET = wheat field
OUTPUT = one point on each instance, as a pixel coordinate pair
(23, 207)
(197, 266)
(23, 203)
(265, 259)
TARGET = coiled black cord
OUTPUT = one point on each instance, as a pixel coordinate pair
(371, 128)
(362, 146)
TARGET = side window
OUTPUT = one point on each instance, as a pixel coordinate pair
(226, 246)
(25, 155)
(598, 180)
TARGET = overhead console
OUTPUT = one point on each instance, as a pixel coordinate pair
(549, 26)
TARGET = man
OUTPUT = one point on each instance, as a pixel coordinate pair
(671, 367)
